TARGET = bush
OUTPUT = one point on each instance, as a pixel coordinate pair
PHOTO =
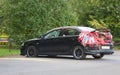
(25, 19)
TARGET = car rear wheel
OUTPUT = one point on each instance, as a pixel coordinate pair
(79, 53)
(99, 56)
(31, 51)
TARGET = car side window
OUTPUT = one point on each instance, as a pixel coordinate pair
(68, 32)
(52, 34)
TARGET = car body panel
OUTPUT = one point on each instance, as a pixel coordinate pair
(62, 40)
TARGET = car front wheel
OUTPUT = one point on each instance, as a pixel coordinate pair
(31, 51)
(79, 53)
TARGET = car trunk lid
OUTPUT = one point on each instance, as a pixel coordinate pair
(99, 37)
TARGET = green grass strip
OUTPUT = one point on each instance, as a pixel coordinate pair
(8, 52)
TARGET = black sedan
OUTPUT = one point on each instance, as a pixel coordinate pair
(70, 40)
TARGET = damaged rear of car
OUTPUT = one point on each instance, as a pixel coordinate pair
(97, 42)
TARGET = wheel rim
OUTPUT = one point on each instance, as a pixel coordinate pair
(30, 52)
(78, 52)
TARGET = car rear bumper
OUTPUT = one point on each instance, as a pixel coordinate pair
(94, 52)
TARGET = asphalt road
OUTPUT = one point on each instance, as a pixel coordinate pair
(62, 65)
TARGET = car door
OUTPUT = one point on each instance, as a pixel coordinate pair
(50, 42)
(69, 38)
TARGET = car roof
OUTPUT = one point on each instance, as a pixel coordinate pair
(79, 28)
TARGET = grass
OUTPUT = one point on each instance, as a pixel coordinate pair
(8, 52)
(116, 39)
(117, 43)
(117, 48)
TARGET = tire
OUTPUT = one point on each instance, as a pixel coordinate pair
(31, 51)
(98, 56)
(78, 53)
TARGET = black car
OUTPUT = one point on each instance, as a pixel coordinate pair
(69, 40)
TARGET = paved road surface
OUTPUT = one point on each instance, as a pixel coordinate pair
(109, 65)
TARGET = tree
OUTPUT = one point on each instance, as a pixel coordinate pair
(84, 9)
(1, 15)
(98, 14)
(107, 13)
(26, 19)
(21, 18)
